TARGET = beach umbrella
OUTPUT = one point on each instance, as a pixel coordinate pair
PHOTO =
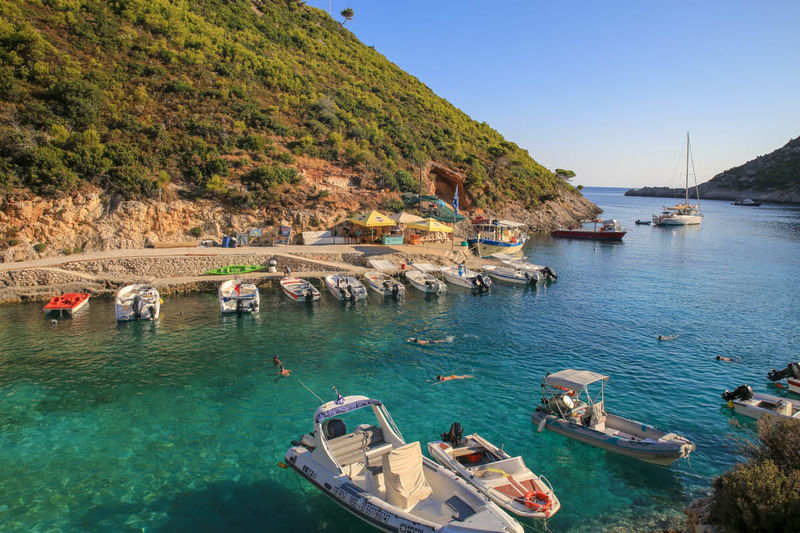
(431, 224)
(405, 218)
(373, 219)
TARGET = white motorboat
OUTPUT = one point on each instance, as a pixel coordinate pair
(744, 401)
(237, 296)
(299, 290)
(508, 274)
(344, 287)
(521, 263)
(464, 277)
(504, 479)
(568, 409)
(384, 284)
(375, 475)
(422, 281)
(683, 214)
(792, 375)
(137, 302)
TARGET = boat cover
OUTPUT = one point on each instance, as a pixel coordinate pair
(574, 379)
(345, 408)
(405, 480)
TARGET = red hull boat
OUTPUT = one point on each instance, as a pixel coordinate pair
(610, 230)
(68, 303)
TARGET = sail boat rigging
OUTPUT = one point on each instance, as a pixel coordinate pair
(682, 214)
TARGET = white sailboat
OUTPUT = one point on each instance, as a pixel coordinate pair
(683, 214)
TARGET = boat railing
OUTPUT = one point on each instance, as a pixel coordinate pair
(546, 481)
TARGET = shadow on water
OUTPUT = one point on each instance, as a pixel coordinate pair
(226, 506)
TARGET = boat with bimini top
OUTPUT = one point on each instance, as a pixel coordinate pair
(570, 410)
(375, 475)
(506, 480)
(237, 296)
(137, 302)
(493, 236)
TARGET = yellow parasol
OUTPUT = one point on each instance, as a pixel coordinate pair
(373, 219)
(406, 218)
(431, 224)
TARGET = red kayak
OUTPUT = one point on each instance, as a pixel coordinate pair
(610, 230)
(68, 303)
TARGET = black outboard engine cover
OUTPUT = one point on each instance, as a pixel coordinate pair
(138, 305)
(743, 392)
(792, 369)
(455, 434)
(550, 273)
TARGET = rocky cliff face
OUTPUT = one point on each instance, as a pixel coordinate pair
(774, 177)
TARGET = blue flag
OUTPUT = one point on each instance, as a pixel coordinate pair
(455, 200)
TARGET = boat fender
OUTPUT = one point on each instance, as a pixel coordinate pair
(542, 423)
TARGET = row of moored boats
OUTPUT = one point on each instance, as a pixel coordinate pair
(468, 484)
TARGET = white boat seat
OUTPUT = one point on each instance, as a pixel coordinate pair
(405, 480)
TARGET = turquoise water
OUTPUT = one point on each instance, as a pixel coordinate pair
(179, 425)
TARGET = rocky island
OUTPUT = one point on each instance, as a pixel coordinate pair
(774, 177)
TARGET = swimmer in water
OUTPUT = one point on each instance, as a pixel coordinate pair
(728, 359)
(667, 337)
(423, 342)
(276, 360)
(284, 373)
(442, 379)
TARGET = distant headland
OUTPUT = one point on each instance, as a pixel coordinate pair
(774, 177)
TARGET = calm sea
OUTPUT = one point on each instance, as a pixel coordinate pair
(179, 425)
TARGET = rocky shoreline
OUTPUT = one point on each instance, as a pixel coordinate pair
(710, 192)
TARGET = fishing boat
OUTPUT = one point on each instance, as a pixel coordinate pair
(747, 202)
(344, 287)
(521, 263)
(493, 236)
(568, 409)
(68, 303)
(375, 475)
(506, 480)
(237, 296)
(683, 214)
(384, 284)
(137, 302)
(791, 373)
(464, 277)
(609, 230)
(234, 270)
(299, 290)
(424, 282)
(745, 402)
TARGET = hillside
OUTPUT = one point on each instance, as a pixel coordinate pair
(225, 100)
(774, 177)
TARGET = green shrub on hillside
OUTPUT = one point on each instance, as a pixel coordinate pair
(763, 494)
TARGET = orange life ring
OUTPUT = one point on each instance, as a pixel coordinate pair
(531, 502)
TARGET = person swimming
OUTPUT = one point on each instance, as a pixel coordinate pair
(276, 360)
(667, 337)
(423, 342)
(442, 379)
(729, 359)
(284, 373)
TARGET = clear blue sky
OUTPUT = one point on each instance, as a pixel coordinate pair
(608, 89)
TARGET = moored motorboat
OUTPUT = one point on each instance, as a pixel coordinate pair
(747, 202)
(299, 290)
(508, 274)
(237, 296)
(424, 282)
(521, 263)
(745, 402)
(137, 302)
(610, 230)
(792, 375)
(464, 277)
(506, 480)
(68, 303)
(375, 475)
(384, 284)
(493, 236)
(568, 409)
(344, 287)
(643, 222)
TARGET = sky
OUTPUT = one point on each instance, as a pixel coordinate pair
(610, 88)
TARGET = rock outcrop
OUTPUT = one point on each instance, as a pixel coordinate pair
(774, 177)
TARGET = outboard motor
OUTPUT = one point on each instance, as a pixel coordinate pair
(396, 291)
(791, 370)
(309, 296)
(138, 305)
(455, 434)
(239, 307)
(350, 292)
(484, 281)
(152, 311)
(549, 272)
(743, 392)
(530, 279)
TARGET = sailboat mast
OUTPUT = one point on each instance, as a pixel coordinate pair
(687, 168)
